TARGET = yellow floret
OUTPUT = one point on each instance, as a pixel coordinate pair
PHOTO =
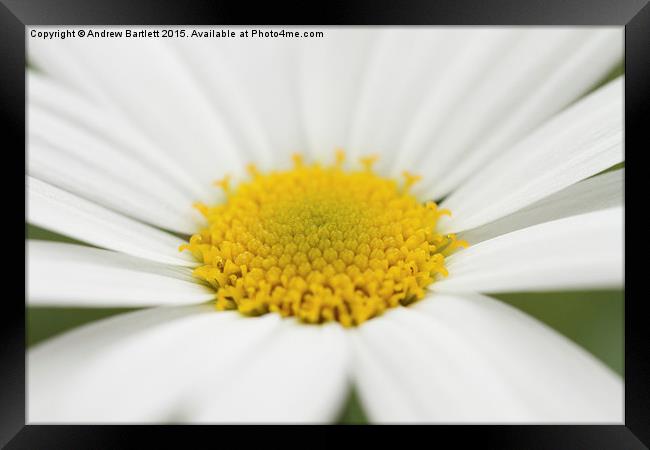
(320, 243)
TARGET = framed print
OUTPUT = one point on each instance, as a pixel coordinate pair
(381, 216)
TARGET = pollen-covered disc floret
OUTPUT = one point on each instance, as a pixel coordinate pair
(320, 243)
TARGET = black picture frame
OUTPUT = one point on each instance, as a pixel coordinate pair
(15, 15)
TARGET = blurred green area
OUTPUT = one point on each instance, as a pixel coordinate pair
(34, 232)
(593, 319)
(352, 413)
(43, 323)
(616, 72)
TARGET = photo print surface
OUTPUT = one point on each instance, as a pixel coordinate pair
(325, 225)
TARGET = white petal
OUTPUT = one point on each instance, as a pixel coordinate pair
(111, 185)
(583, 140)
(300, 375)
(229, 96)
(406, 68)
(97, 155)
(110, 127)
(578, 252)
(561, 83)
(375, 379)
(473, 359)
(492, 92)
(262, 75)
(139, 367)
(599, 192)
(73, 275)
(60, 211)
(60, 61)
(146, 82)
(473, 57)
(333, 72)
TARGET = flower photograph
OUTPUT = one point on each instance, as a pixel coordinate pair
(324, 225)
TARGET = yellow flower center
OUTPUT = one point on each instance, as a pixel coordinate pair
(320, 243)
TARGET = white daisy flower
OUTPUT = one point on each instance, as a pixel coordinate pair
(302, 280)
